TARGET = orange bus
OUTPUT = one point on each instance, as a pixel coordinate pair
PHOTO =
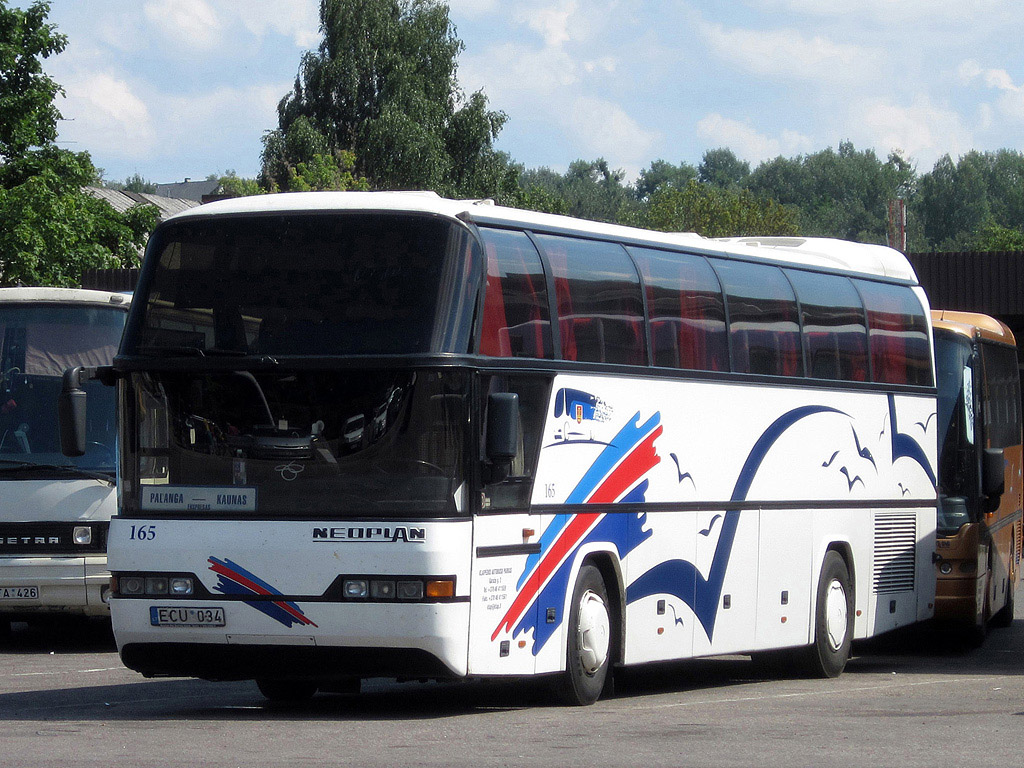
(979, 432)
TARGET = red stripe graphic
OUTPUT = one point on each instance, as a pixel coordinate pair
(254, 587)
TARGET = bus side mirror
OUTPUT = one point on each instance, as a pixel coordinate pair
(502, 435)
(71, 410)
(992, 477)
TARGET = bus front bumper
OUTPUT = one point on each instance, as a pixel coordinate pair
(420, 640)
(30, 586)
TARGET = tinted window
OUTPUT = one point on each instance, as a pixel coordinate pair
(898, 334)
(686, 309)
(1000, 396)
(324, 284)
(834, 332)
(763, 326)
(515, 322)
(600, 308)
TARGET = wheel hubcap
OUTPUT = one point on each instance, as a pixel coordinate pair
(836, 615)
(594, 632)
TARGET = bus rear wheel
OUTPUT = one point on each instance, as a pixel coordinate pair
(589, 643)
(827, 655)
(287, 691)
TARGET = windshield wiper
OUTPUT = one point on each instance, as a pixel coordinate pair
(12, 466)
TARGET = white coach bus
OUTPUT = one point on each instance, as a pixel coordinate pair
(388, 434)
(54, 512)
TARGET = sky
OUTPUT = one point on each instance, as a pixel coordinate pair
(175, 89)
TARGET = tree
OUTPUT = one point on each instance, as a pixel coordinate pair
(589, 189)
(840, 193)
(50, 228)
(721, 168)
(382, 86)
(715, 212)
(662, 173)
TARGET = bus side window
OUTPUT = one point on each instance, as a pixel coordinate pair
(515, 321)
(897, 334)
(514, 492)
(763, 323)
(600, 307)
(686, 309)
(1000, 397)
(834, 333)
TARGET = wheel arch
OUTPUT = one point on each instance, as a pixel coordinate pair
(607, 563)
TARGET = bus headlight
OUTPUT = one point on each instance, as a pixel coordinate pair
(945, 567)
(356, 589)
(182, 586)
(82, 535)
(131, 585)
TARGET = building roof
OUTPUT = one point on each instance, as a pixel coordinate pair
(189, 190)
(121, 200)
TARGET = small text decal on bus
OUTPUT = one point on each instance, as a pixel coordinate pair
(373, 535)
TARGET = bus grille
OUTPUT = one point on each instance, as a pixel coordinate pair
(895, 552)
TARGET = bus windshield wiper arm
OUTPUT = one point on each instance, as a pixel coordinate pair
(12, 465)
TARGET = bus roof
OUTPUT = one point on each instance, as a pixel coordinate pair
(63, 296)
(824, 253)
(973, 325)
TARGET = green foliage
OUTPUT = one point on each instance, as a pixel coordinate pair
(135, 183)
(993, 237)
(967, 204)
(50, 229)
(662, 173)
(841, 193)
(721, 168)
(382, 86)
(28, 117)
(588, 190)
(715, 212)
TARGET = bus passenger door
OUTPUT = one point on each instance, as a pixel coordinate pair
(502, 616)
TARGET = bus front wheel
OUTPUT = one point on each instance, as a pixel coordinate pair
(589, 642)
(827, 655)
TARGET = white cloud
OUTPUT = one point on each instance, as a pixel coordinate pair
(920, 129)
(185, 23)
(296, 19)
(788, 54)
(1010, 102)
(105, 116)
(604, 128)
(747, 142)
(551, 23)
(888, 10)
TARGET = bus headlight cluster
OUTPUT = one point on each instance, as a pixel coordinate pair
(397, 589)
(153, 586)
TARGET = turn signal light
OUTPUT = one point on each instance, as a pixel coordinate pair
(444, 588)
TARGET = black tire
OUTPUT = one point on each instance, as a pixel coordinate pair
(589, 642)
(827, 655)
(287, 691)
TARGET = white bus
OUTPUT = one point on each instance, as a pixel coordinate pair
(388, 434)
(54, 512)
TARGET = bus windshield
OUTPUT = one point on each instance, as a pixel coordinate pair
(308, 284)
(958, 464)
(339, 443)
(37, 343)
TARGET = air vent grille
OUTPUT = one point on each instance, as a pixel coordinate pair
(895, 552)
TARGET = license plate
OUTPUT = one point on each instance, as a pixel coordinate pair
(19, 593)
(185, 616)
